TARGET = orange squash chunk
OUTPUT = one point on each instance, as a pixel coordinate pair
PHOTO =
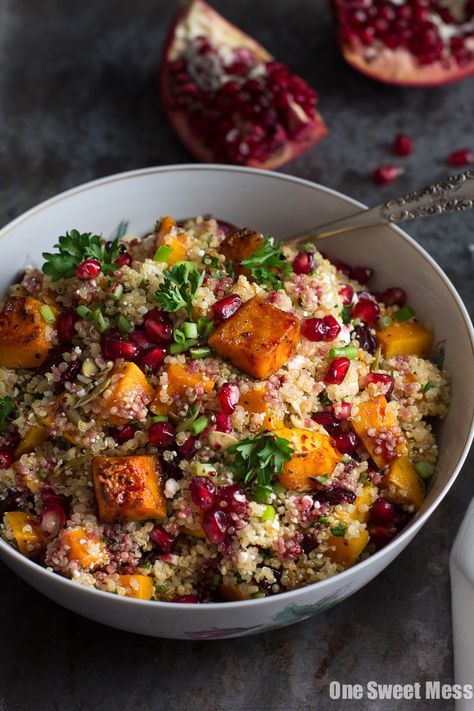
(408, 338)
(129, 395)
(139, 586)
(240, 245)
(259, 338)
(87, 549)
(346, 552)
(373, 418)
(404, 483)
(33, 437)
(314, 456)
(128, 488)
(25, 337)
(227, 592)
(254, 401)
(26, 531)
(179, 244)
(180, 378)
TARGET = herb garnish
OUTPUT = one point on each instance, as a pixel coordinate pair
(74, 248)
(339, 530)
(6, 409)
(427, 386)
(268, 265)
(320, 479)
(259, 459)
(179, 287)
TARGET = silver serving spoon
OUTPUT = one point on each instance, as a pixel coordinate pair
(453, 194)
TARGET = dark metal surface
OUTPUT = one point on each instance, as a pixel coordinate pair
(77, 101)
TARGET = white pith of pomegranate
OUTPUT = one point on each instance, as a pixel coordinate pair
(228, 100)
(408, 42)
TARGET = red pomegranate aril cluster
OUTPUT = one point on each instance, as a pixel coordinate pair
(226, 307)
(114, 346)
(382, 512)
(403, 145)
(203, 492)
(125, 433)
(163, 540)
(65, 326)
(158, 327)
(380, 536)
(387, 174)
(343, 411)
(7, 457)
(337, 371)
(328, 420)
(320, 329)
(381, 379)
(124, 259)
(216, 524)
(367, 341)
(54, 513)
(347, 294)
(366, 310)
(361, 274)
(395, 296)
(303, 263)
(188, 448)
(152, 359)
(88, 269)
(223, 422)
(461, 158)
(228, 396)
(161, 434)
(346, 442)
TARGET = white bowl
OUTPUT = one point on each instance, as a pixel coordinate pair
(279, 205)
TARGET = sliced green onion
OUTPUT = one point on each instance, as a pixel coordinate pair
(42, 474)
(159, 418)
(279, 488)
(162, 253)
(204, 326)
(269, 514)
(200, 352)
(123, 324)
(346, 351)
(182, 347)
(84, 312)
(191, 415)
(424, 469)
(101, 322)
(190, 329)
(262, 493)
(116, 291)
(204, 469)
(384, 322)
(198, 425)
(178, 336)
(47, 313)
(404, 314)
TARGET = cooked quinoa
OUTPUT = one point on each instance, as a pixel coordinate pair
(203, 415)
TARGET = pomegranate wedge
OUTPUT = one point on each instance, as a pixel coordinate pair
(228, 100)
(411, 43)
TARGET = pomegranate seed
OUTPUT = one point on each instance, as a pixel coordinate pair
(113, 346)
(380, 536)
(343, 411)
(361, 274)
(88, 269)
(327, 419)
(139, 337)
(228, 396)
(161, 434)
(188, 448)
(124, 259)
(65, 326)
(52, 519)
(163, 540)
(393, 297)
(346, 442)
(215, 526)
(382, 512)
(342, 267)
(234, 499)
(314, 329)
(125, 433)
(386, 174)
(226, 307)
(159, 331)
(366, 310)
(70, 373)
(347, 293)
(334, 327)
(7, 457)
(382, 379)
(366, 338)
(462, 157)
(202, 492)
(156, 315)
(186, 599)
(337, 371)
(223, 422)
(333, 494)
(152, 360)
(403, 145)
(303, 263)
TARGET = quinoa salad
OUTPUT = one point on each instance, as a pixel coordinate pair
(205, 415)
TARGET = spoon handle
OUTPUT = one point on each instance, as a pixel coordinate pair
(452, 194)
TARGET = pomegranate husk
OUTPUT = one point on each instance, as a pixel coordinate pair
(178, 119)
(399, 66)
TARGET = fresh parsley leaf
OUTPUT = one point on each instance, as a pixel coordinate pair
(346, 314)
(259, 459)
(74, 248)
(6, 409)
(267, 265)
(339, 530)
(179, 287)
(427, 386)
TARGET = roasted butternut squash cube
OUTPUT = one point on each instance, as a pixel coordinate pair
(86, 548)
(259, 338)
(254, 401)
(361, 506)
(33, 437)
(128, 395)
(404, 484)
(408, 338)
(197, 531)
(374, 418)
(139, 586)
(241, 244)
(228, 592)
(26, 531)
(25, 337)
(180, 378)
(129, 488)
(314, 456)
(347, 551)
(178, 243)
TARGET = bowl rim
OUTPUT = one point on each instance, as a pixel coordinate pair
(415, 523)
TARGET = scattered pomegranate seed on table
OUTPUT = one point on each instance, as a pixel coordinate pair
(461, 158)
(403, 145)
(386, 174)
